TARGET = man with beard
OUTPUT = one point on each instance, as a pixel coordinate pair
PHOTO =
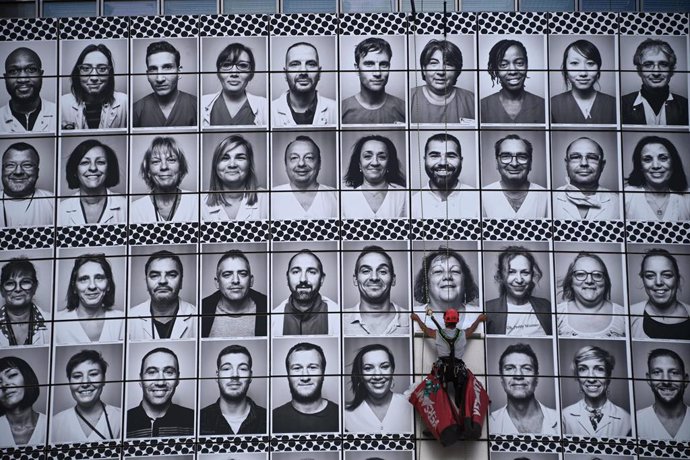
(22, 322)
(26, 110)
(373, 105)
(305, 311)
(516, 311)
(167, 105)
(444, 197)
(23, 205)
(582, 198)
(303, 197)
(523, 413)
(654, 104)
(516, 197)
(445, 281)
(234, 412)
(235, 309)
(301, 104)
(375, 313)
(157, 416)
(164, 315)
(308, 411)
(668, 417)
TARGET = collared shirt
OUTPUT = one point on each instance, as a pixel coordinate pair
(45, 121)
(278, 317)
(177, 421)
(326, 112)
(649, 115)
(306, 117)
(141, 325)
(39, 334)
(212, 422)
(605, 204)
(71, 212)
(112, 115)
(615, 421)
(501, 423)
(353, 324)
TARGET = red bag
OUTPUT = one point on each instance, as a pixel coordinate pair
(475, 408)
(437, 411)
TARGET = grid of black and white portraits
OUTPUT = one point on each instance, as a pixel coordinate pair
(208, 253)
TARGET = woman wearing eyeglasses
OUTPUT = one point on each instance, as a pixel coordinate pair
(587, 310)
(233, 105)
(93, 102)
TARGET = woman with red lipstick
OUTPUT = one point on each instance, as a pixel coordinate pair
(20, 424)
(93, 168)
(582, 104)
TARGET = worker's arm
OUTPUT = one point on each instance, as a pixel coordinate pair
(470, 330)
(427, 331)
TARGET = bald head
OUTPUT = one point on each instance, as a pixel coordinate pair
(27, 53)
(584, 163)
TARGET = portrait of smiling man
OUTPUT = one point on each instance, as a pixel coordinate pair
(166, 105)
(308, 411)
(164, 315)
(26, 110)
(156, 415)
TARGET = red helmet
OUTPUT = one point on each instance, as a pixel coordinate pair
(451, 316)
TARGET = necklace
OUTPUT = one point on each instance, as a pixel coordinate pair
(657, 206)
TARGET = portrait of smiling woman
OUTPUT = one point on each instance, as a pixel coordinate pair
(582, 103)
(375, 408)
(93, 168)
(20, 424)
(89, 315)
(90, 419)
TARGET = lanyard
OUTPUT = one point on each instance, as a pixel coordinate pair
(93, 428)
(10, 333)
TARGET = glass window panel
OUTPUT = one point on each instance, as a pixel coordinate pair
(250, 6)
(547, 5)
(309, 6)
(667, 6)
(130, 8)
(427, 5)
(69, 9)
(368, 6)
(17, 9)
(487, 5)
(610, 5)
(190, 7)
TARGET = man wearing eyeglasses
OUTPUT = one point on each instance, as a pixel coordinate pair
(26, 110)
(301, 104)
(523, 413)
(517, 197)
(654, 104)
(582, 198)
(21, 203)
(22, 322)
(167, 105)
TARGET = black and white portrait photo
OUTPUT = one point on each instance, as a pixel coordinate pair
(304, 399)
(509, 91)
(448, 187)
(234, 172)
(26, 310)
(303, 81)
(595, 400)
(87, 399)
(376, 373)
(93, 181)
(374, 175)
(590, 290)
(582, 79)
(234, 393)
(90, 296)
(305, 289)
(163, 291)
(515, 175)
(375, 276)
(164, 85)
(378, 455)
(94, 84)
(588, 178)
(372, 84)
(304, 175)
(28, 187)
(440, 90)
(522, 402)
(234, 82)
(234, 288)
(523, 456)
(164, 172)
(27, 102)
